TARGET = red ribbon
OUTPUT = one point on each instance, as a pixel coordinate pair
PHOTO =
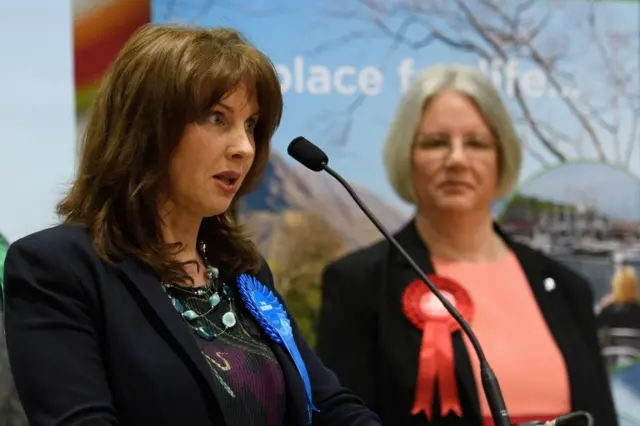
(436, 363)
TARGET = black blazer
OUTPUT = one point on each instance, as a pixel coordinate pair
(361, 314)
(98, 344)
(620, 315)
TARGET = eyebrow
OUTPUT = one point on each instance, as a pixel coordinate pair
(230, 109)
(447, 134)
(227, 107)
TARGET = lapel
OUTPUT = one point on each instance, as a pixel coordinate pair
(410, 240)
(149, 293)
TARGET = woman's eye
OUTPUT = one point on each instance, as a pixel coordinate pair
(216, 118)
(251, 125)
(434, 143)
(478, 144)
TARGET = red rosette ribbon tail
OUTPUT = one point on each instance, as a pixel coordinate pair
(436, 361)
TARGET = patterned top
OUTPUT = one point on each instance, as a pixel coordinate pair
(250, 386)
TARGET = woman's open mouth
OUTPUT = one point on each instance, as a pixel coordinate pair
(228, 181)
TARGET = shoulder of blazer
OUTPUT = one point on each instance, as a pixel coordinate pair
(63, 252)
(576, 290)
(58, 263)
(547, 263)
(58, 241)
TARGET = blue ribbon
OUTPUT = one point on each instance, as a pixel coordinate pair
(272, 317)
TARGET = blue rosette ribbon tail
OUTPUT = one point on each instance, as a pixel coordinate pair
(272, 317)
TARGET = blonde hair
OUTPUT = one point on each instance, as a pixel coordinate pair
(431, 82)
(624, 285)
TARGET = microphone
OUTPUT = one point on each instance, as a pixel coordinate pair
(313, 158)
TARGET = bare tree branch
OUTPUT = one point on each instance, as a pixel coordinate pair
(505, 30)
(525, 7)
(558, 135)
(480, 31)
(545, 65)
(506, 33)
(620, 81)
(535, 155)
(634, 136)
(538, 59)
(534, 126)
(464, 45)
(434, 34)
(342, 40)
(399, 36)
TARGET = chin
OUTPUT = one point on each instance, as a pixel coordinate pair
(216, 208)
(457, 204)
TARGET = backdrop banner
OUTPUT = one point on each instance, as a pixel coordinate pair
(568, 71)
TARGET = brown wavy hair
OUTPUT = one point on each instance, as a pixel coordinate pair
(164, 78)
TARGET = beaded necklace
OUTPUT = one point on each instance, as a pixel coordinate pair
(213, 292)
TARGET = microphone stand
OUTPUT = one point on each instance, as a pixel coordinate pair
(315, 159)
(489, 380)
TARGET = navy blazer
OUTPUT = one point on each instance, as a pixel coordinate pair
(93, 343)
(361, 314)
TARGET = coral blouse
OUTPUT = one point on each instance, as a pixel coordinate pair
(515, 337)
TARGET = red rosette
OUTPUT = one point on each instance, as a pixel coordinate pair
(436, 364)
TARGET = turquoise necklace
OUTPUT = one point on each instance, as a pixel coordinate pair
(213, 292)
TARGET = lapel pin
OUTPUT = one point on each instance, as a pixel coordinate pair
(549, 284)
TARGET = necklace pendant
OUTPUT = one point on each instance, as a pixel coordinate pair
(177, 304)
(190, 315)
(212, 272)
(229, 319)
(205, 332)
(214, 299)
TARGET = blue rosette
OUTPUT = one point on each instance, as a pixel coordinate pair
(272, 317)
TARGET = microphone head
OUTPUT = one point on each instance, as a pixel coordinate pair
(307, 154)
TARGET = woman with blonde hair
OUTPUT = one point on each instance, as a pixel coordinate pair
(149, 305)
(625, 285)
(621, 309)
(452, 151)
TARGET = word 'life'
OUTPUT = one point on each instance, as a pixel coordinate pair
(533, 83)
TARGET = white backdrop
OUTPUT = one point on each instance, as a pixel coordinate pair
(37, 112)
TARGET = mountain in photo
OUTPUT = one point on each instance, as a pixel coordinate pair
(287, 192)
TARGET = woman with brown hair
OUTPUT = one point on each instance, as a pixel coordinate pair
(148, 305)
